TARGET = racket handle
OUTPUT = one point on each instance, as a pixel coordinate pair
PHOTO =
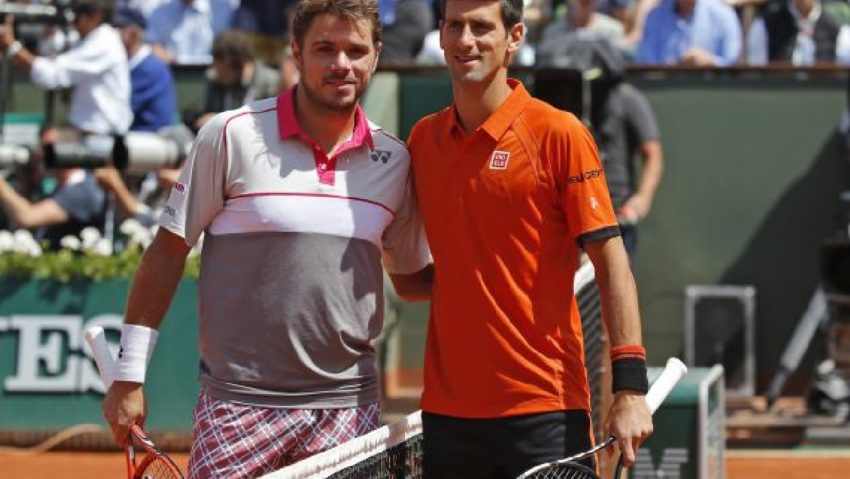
(673, 372)
(96, 339)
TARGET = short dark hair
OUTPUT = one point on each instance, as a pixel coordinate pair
(90, 7)
(511, 11)
(233, 48)
(353, 10)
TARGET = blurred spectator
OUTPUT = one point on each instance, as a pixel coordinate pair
(182, 31)
(584, 21)
(405, 24)
(634, 19)
(74, 203)
(699, 33)
(288, 70)
(800, 32)
(236, 77)
(266, 22)
(97, 71)
(77, 203)
(152, 86)
(145, 6)
(431, 52)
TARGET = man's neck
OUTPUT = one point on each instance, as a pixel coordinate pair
(326, 127)
(475, 102)
(686, 9)
(248, 73)
(133, 49)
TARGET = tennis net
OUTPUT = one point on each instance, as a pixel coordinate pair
(395, 451)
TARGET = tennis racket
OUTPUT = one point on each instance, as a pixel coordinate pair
(155, 464)
(569, 468)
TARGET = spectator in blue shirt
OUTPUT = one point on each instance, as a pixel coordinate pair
(151, 84)
(700, 33)
(182, 31)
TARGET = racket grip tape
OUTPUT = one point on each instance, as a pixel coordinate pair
(96, 339)
(673, 372)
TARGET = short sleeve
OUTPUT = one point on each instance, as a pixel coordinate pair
(405, 246)
(199, 194)
(640, 116)
(82, 201)
(583, 189)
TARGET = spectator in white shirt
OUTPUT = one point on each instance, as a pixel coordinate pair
(182, 31)
(94, 67)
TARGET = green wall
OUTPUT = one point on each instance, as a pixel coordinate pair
(46, 376)
(753, 171)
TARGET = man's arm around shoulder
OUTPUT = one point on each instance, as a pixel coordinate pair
(416, 286)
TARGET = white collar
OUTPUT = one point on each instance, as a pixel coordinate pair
(806, 24)
(139, 56)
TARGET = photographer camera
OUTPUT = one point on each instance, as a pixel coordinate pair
(76, 203)
(158, 156)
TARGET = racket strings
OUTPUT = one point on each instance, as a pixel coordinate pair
(564, 471)
(158, 468)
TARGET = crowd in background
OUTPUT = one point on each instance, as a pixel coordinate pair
(658, 32)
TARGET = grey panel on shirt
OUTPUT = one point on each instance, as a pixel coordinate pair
(288, 319)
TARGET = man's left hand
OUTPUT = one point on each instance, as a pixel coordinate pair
(630, 421)
(697, 57)
(636, 208)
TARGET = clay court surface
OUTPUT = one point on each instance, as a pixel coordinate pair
(740, 465)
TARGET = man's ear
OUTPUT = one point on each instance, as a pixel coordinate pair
(378, 48)
(296, 54)
(515, 36)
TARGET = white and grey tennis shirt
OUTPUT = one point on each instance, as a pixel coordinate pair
(291, 286)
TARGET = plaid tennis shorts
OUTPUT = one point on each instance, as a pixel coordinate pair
(239, 441)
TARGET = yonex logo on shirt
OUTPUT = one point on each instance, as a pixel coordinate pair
(380, 155)
(499, 160)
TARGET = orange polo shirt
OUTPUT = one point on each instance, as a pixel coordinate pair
(505, 210)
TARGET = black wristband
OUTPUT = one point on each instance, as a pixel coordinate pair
(629, 373)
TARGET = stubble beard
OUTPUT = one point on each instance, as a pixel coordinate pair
(334, 107)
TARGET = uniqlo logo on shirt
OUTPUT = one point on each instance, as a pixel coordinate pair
(499, 160)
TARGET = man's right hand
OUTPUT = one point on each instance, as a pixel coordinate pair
(123, 406)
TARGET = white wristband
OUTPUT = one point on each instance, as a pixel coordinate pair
(137, 343)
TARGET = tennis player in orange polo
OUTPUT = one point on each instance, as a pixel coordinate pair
(510, 190)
